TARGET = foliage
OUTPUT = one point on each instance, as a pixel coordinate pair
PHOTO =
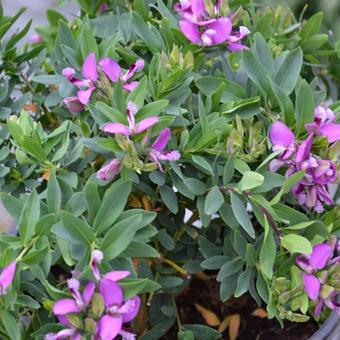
(213, 206)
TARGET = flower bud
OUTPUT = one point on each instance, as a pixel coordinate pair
(97, 305)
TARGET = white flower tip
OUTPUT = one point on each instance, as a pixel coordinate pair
(132, 108)
(139, 65)
(97, 255)
(73, 284)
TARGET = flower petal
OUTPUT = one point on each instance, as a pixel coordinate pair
(304, 149)
(116, 275)
(146, 124)
(171, 155)
(118, 128)
(90, 67)
(109, 171)
(131, 86)
(65, 306)
(191, 31)
(312, 285)
(331, 131)
(7, 276)
(162, 140)
(88, 292)
(321, 255)
(85, 95)
(280, 134)
(235, 47)
(73, 104)
(111, 68)
(111, 292)
(134, 309)
(108, 327)
(222, 27)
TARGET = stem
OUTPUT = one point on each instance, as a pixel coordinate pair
(26, 249)
(272, 222)
(176, 267)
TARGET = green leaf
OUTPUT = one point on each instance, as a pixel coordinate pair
(185, 335)
(296, 244)
(268, 251)
(289, 71)
(29, 217)
(213, 201)
(132, 287)
(112, 206)
(250, 180)
(53, 194)
(195, 186)
(229, 268)
(243, 282)
(169, 198)
(76, 228)
(152, 109)
(88, 42)
(202, 332)
(304, 106)
(92, 199)
(54, 17)
(313, 43)
(229, 169)
(256, 71)
(288, 184)
(48, 79)
(241, 214)
(263, 52)
(10, 325)
(139, 249)
(202, 164)
(312, 26)
(285, 103)
(118, 238)
(148, 33)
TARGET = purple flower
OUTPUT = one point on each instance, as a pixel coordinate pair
(157, 154)
(201, 28)
(102, 8)
(324, 124)
(234, 39)
(79, 301)
(89, 70)
(35, 38)
(118, 311)
(96, 258)
(109, 170)
(73, 104)
(312, 191)
(319, 260)
(69, 333)
(132, 128)
(7, 277)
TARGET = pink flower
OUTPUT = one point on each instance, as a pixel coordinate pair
(198, 25)
(118, 311)
(319, 259)
(324, 124)
(132, 128)
(7, 277)
(96, 258)
(109, 170)
(89, 70)
(35, 38)
(157, 154)
(312, 191)
(73, 104)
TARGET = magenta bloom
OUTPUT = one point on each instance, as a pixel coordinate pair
(96, 258)
(69, 333)
(7, 277)
(198, 25)
(73, 104)
(118, 311)
(324, 124)
(319, 259)
(79, 301)
(109, 170)
(35, 38)
(132, 128)
(312, 191)
(89, 70)
(157, 154)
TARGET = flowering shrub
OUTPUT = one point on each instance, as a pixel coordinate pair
(144, 142)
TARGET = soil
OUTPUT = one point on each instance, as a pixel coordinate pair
(206, 293)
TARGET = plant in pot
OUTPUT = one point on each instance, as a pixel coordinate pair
(157, 152)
